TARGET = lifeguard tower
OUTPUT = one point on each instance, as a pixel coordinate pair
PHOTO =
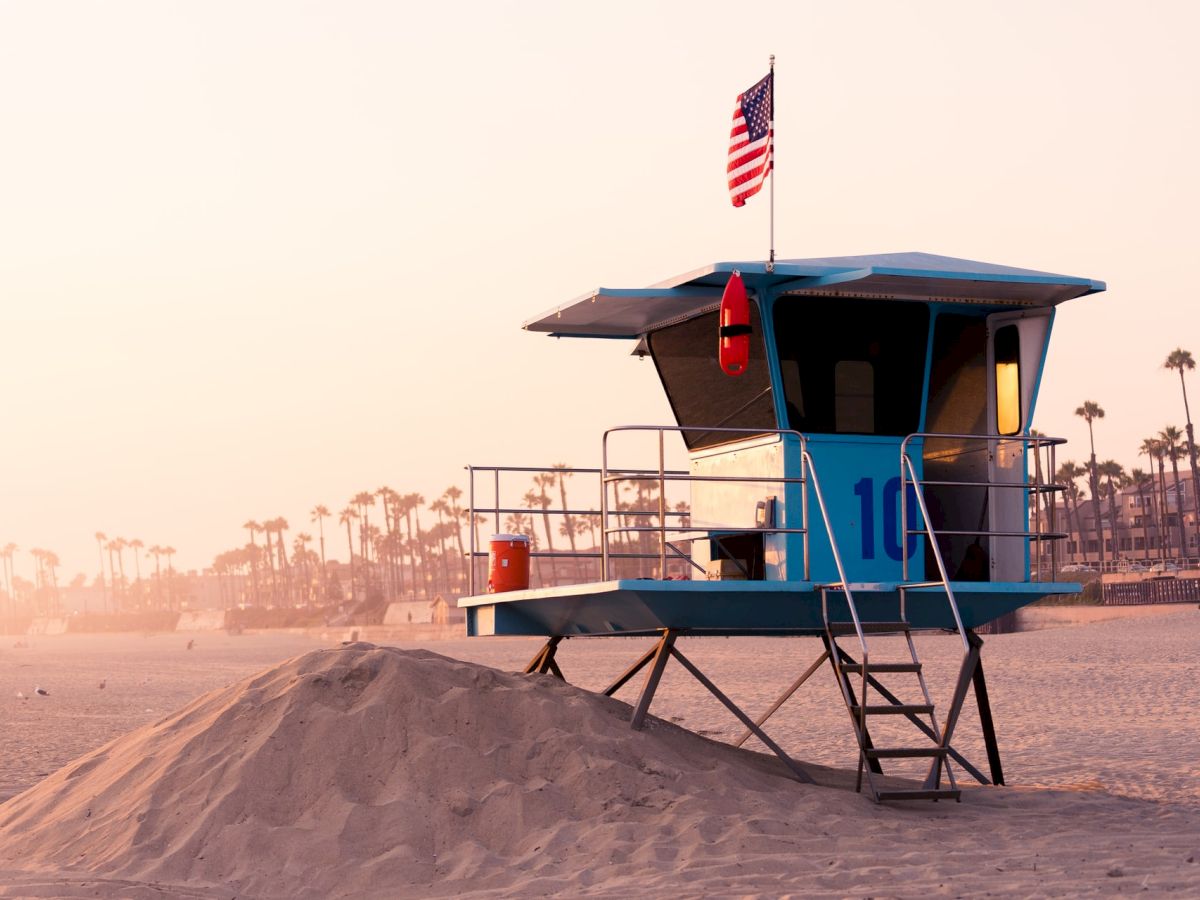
(872, 472)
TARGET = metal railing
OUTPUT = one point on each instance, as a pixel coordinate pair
(1034, 489)
(683, 534)
(908, 476)
(498, 508)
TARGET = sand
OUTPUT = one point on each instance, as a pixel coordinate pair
(378, 772)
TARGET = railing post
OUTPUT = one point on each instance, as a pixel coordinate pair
(471, 527)
(497, 498)
(1037, 504)
(604, 507)
(662, 509)
(804, 466)
(1053, 473)
(903, 519)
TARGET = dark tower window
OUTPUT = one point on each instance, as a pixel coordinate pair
(852, 366)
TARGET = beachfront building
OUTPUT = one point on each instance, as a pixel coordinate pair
(1146, 528)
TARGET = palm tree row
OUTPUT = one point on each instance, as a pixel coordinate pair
(389, 554)
(1105, 481)
(118, 593)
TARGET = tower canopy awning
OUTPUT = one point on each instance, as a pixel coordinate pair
(632, 312)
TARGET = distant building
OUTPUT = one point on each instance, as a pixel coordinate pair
(1141, 532)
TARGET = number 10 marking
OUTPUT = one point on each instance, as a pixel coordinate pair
(865, 490)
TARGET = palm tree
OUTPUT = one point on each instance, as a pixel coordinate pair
(300, 553)
(268, 528)
(121, 544)
(1140, 480)
(1089, 412)
(541, 482)
(1181, 360)
(7, 555)
(135, 545)
(285, 568)
(417, 502)
(362, 500)
(346, 517)
(1173, 451)
(252, 527)
(318, 515)
(101, 537)
(452, 495)
(1114, 473)
(156, 552)
(169, 552)
(383, 550)
(1067, 475)
(1152, 448)
(559, 472)
(440, 506)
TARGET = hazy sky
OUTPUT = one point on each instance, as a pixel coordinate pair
(256, 256)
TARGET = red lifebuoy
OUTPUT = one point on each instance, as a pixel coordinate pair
(734, 336)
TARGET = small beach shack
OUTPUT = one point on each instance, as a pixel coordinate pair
(871, 471)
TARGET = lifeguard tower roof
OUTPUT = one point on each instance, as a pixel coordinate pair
(631, 312)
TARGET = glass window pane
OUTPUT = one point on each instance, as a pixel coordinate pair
(1008, 380)
(852, 366)
(854, 396)
(700, 393)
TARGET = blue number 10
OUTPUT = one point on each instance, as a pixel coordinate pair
(865, 491)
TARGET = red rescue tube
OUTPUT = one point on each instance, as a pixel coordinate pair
(508, 563)
(734, 336)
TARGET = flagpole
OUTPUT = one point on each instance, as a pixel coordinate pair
(771, 162)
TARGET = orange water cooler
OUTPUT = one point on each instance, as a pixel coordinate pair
(508, 563)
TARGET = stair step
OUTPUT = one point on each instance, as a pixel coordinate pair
(892, 709)
(881, 667)
(922, 794)
(867, 627)
(905, 752)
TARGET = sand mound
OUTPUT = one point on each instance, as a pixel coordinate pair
(371, 769)
(382, 773)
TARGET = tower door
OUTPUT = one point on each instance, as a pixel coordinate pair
(1016, 344)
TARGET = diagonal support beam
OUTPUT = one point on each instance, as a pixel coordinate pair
(662, 653)
(631, 671)
(800, 774)
(965, 675)
(783, 698)
(543, 661)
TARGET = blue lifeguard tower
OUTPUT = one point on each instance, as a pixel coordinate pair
(872, 472)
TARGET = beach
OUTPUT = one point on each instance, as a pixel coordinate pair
(1096, 722)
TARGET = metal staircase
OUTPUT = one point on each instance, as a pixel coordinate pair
(863, 671)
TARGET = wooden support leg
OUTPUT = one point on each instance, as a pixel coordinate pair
(742, 717)
(795, 686)
(542, 662)
(985, 714)
(965, 675)
(631, 671)
(662, 652)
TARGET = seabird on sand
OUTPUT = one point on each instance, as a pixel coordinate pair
(41, 692)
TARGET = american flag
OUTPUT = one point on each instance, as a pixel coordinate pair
(750, 153)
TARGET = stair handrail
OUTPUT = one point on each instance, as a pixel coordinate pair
(937, 551)
(811, 471)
